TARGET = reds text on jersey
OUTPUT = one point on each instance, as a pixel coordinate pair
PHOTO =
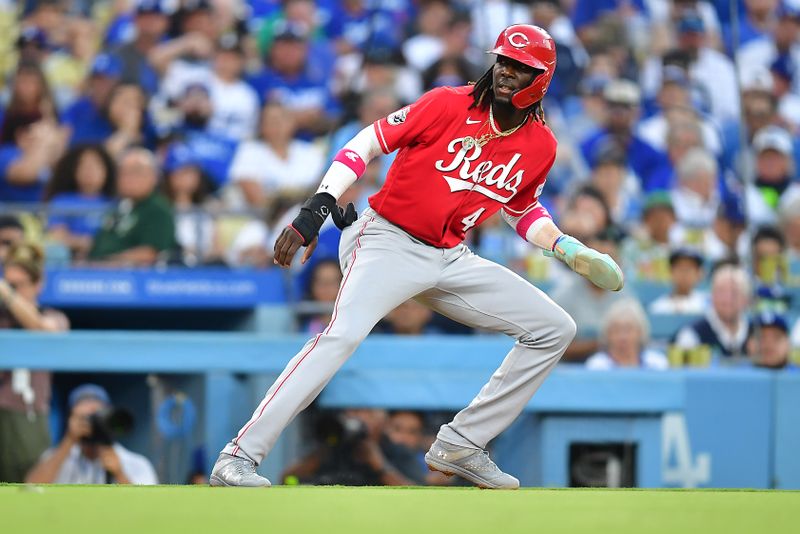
(438, 187)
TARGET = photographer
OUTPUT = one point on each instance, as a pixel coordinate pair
(87, 454)
(24, 394)
(352, 452)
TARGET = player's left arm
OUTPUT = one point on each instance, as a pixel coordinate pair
(534, 224)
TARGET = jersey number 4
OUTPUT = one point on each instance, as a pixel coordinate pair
(470, 220)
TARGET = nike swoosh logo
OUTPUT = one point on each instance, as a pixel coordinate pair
(470, 121)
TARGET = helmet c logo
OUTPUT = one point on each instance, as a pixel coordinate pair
(518, 40)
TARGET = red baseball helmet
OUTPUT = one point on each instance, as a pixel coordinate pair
(534, 47)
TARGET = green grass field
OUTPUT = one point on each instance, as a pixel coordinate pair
(147, 510)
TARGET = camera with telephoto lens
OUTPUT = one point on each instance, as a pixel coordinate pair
(107, 425)
(337, 430)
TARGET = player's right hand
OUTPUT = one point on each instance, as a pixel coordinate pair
(288, 244)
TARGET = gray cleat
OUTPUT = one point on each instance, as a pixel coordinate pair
(235, 471)
(471, 464)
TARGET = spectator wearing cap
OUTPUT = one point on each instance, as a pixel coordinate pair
(587, 303)
(32, 45)
(234, 103)
(79, 459)
(24, 393)
(213, 151)
(150, 21)
(774, 174)
(725, 328)
(86, 116)
(646, 252)
(726, 238)
(30, 139)
(686, 272)
(276, 164)
(313, 15)
(189, 191)
(769, 346)
(77, 195)
(289, 78)
(696, 197)
(140, 226)
(781, 43)
(711, 71)
(651, 166)
(625, 335)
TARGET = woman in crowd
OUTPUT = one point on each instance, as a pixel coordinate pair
(30, 139)
(78, 194)
(624, 337)
(24, 394)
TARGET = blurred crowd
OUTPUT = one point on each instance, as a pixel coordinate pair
(140, 133)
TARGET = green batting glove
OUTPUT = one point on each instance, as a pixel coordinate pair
(587, 262)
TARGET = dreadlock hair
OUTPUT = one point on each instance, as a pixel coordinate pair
(483, 96)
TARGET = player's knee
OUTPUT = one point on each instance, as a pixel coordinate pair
(568, 329)
(559, 332)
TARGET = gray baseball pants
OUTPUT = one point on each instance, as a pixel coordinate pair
(383, 266)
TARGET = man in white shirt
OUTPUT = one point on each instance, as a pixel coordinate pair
(235, 104)
(85, 456)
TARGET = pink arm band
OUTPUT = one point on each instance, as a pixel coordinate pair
(351, 160)
(526, 221)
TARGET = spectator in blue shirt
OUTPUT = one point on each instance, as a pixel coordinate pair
(194, 141)
(78, 194)
(358, 24)
(86, 117)
(769, 346)
(651, 166)
(30, 139)
(295, 82)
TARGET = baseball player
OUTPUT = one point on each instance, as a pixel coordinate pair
(464, 153)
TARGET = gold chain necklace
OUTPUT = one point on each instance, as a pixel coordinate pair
(468, 142)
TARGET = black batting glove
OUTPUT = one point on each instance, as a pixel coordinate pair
(314, 212)
(343, 218)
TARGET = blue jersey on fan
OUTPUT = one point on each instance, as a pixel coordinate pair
(12, 192)
(212, 153)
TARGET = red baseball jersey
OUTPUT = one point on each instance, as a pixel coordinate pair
(440, 186)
